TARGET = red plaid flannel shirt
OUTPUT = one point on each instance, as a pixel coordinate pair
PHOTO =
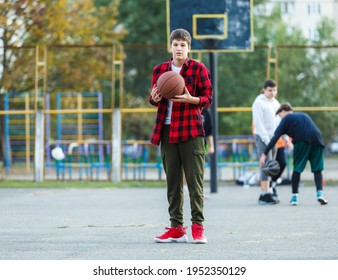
(186, 118)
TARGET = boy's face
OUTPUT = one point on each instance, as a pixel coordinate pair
(179, 49)
(270, 92)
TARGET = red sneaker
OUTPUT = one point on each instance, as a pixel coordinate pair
(198, 234)
(173, 234)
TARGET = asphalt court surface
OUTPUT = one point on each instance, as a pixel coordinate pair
(120, 224)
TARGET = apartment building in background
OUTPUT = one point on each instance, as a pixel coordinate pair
(305, 14)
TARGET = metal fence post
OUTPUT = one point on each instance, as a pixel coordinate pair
(116, 146)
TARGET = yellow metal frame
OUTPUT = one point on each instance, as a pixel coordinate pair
(40, 75)
(117, 69)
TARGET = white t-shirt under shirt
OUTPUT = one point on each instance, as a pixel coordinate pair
(170, 103)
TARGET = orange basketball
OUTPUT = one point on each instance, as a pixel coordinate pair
(170, 83)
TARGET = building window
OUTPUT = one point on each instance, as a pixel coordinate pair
(313, 9)
(313, 34)
(290, 29)
(287, 7)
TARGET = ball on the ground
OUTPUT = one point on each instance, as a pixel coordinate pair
(170, 84)
(57, 153)
(271, 168)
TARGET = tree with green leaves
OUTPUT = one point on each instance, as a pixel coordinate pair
(25, 24)
(145, 43)
(308, 77)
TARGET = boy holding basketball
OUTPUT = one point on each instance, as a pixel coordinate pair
(179, 131)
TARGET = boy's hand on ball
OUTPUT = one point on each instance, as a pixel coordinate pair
(155, 94)
(185, 97)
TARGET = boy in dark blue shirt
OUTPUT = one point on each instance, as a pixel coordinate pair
(308, 146)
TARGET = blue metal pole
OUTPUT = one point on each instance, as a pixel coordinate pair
(7, 146)
(214, 116)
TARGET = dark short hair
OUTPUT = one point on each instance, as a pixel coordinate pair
(180, 34)
(270, 83)
(284, 107)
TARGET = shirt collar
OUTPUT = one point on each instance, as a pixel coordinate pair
(186, 62)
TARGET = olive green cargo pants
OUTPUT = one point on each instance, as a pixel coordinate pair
(187, 157)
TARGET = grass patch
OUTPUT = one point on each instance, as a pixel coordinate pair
(82, 184)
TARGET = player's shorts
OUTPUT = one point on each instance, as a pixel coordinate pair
(303, 152)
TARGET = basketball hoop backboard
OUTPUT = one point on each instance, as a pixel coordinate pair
(215, 25)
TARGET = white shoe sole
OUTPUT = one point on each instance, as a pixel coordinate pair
(260, 202)
(183, 239)
(201, 241)
(322, 201)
